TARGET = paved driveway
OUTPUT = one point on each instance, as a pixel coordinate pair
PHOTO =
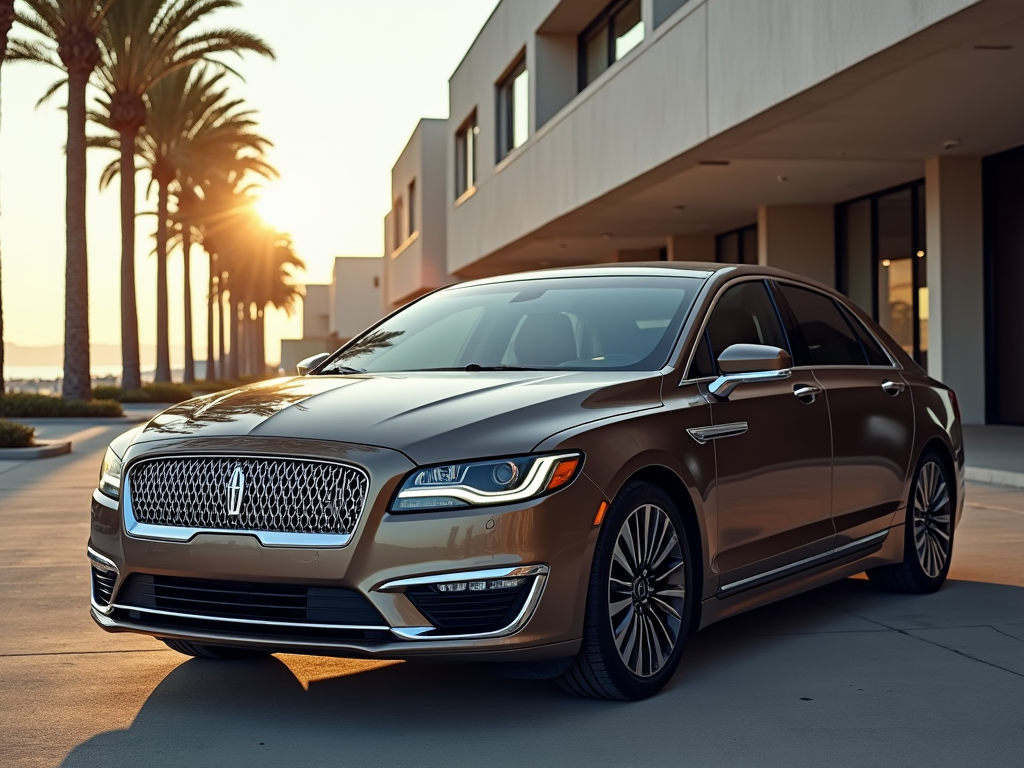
(839, 676)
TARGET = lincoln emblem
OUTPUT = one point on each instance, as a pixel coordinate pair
(236, 488)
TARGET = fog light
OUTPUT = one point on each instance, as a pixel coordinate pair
(480, 586)
(477, 586)
(451, 587)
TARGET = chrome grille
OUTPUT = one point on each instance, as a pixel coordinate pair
(280, 495)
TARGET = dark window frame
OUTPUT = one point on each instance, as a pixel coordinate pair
(741, 252)
(606, 18)
(412, 225)
(466, 155)
(505, 107)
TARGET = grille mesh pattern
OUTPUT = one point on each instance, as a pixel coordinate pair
(280, 495)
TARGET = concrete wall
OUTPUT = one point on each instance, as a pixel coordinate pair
(709, 67)
(316, 311)
(416, 264)
(356, 291)
(798, 238)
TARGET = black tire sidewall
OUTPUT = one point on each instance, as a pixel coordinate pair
(598, 620)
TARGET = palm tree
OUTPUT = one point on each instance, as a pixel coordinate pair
(69, 30)
(6, 22)
(142, 42)
(193, 128)
(274, 285)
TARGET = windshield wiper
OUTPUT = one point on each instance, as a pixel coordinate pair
(341, 369)
(475, 367)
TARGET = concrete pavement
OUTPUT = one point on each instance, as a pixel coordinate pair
(843, 675)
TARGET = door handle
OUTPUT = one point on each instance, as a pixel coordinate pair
(806, 393)
(893, 387)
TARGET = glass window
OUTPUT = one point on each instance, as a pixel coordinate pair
(738, 246)
(465, 156)
(857, 260)
(702, 365)
(398, 222)
(876, 355)
(617, 30)
(513, 108)
(821, 336)
(745, 314)
(603, 323)
(413, 224)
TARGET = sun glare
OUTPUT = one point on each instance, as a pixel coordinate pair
(275, 208)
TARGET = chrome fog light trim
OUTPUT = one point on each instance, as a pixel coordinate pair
(101, 563)
(539, 573)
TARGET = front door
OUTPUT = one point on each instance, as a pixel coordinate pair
(774, 460)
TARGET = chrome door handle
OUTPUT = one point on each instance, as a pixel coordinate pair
(806, 393)
(893, 387)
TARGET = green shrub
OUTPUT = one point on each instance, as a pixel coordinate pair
(107, 392)
(163, 393)
(26, 405)
(14, 435)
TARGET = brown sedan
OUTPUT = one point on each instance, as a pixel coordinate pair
(561, 473)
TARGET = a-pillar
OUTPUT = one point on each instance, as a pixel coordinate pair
(956, 296)
(798, 238)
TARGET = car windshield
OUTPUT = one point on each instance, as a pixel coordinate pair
(574, 323)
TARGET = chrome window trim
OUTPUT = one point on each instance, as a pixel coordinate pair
(234, 620)
(539, 572)
(178, 534)
(843, 304)
(771, 575)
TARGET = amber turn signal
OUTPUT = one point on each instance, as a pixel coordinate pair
(563, 473)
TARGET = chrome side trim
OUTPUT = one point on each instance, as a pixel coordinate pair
(490, 573)
(233, 620)
(539, 572)
(101, 498)
(724, 385)
(807, 562)
(534, 483)
(138, 530)
(703, 434)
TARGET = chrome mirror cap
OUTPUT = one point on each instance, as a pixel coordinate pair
(309, 363)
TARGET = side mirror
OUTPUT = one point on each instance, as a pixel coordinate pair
(311, 362)
(749, 363)
(749, 358)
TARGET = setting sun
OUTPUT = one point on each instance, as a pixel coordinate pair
(276, 208)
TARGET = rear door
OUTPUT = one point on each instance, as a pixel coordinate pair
(871, 410)
(773, 452)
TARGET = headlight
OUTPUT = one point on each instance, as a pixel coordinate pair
(485, 483)
(110, 474)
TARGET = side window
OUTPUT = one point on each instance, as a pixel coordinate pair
(821, 336)
(745, 315)
(702, 364)
(876, 356)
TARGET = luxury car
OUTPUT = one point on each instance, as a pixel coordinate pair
(559, 474)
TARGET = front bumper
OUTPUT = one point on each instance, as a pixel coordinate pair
(547, 542)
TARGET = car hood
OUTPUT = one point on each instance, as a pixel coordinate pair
(430, 416)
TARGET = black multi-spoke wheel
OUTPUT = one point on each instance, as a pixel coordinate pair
(639, 602)
(928, 534)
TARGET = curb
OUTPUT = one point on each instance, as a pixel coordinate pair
(994, 477)
(44, 449)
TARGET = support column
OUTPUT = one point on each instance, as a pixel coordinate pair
(798, 238)
(956, 278)
(690, 247)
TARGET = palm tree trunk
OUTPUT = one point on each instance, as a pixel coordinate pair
(6, 21)
(234, 341)
(77, 381)
(261, 342)
(212, 295)
(131, 376)
(163, 342)
(186, 260)
(222, 368)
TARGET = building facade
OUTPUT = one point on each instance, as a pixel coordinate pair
(874, 145)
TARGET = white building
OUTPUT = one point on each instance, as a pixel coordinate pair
(875, 145)
(333, 313)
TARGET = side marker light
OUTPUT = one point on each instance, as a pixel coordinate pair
(601, 510)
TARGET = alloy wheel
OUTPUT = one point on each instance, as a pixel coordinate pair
(933, 520)
(646, 590)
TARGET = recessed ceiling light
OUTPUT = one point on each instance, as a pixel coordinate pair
(563, 247)
(679, 209)
(714, 162)
(780, 178)
(606, 235)
(886, 262)
(951, 143)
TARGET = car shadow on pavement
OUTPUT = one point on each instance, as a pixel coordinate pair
(291, 710)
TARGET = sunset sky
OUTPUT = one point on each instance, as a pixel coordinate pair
(350, 81)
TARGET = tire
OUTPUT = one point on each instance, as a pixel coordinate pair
(928, 534)
(219, 652)
(638, 608)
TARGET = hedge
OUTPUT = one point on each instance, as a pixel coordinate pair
(26, 405)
